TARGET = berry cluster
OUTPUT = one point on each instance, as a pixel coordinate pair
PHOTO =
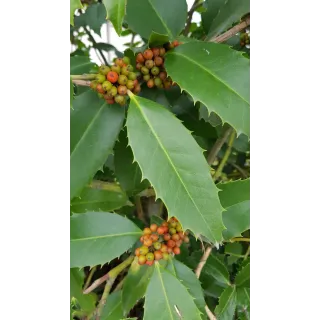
(160, 241)
(151, 65)
(113, 82)
(244, 39)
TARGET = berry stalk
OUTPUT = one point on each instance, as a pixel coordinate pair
(83, 77)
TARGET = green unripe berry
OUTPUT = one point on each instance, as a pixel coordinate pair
(150, 256)
(120, 99)
(155, 71)
(144, 250)
(129, 67)
(125, 71)
(138, 74)
(157, 245)
(165, 255)
(116, 69)
(132, 76)
(145, 70)
(126, 60)
(157, 81)
(122, 79)
(142, 259)
(172, 231)
(173, 224)
(107, 85)
(179, 228)
(149, 64)
(93, 84)
(146, 77)
(104, 69)
(130, 84)
(100, 78)
(113, 91)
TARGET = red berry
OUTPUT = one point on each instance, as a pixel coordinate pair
(143, 250)
(154, 237)
(150, 83)
(149, 263)
(163, 75)
(155, 51)
(140, 58)
(175, 237)
(175, 43)
(158, 61)
(137, 252)
(171, 243)
(153, 227)
(150, 256)
(110, 101)
(167, 237)
(112, 76)
(157, 255)
(147, 242)
(122, 90)
(166, 229)
(161, 230)
(147, 231)
(176, 250)
(137, 89)
(142, 260)
(148, 54)
(135, 82)
(165, 256)
(164, 248)
(157, 245)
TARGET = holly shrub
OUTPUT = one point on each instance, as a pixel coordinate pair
(160, 161)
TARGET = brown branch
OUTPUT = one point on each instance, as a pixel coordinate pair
(203, 261)
(92, 271)
(231, 32)
(96, 284)
(195, 6)
(84, 83)
(210, 315)
(139, 208)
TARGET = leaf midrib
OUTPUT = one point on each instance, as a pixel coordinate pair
(107, 236)
(87, 129)
(210, 73)
(228, 300)
(170, 161)
(163, 23)
(239, 274)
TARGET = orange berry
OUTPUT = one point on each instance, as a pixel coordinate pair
(163, 75)
(176, 250)
(99, 88)
(175, 43)
(155, 51)
(161, 230)
(175, 237)
(158, 61)
(171, 243)
(140, 58)
(179, 243)
(137, 89)
(169, 250)
(149, 263)
(153, 227)
(135, 82)
(110, 101)
(164, 248)
(147, 231)
(147, 242)
(157, 255)
(166, 229)
(137, 252)
(142, 260)
(165, 224)
(141, 239)
(148, 54)
(167, 237)
(112, 76)
(154, 237)
(119, 62)
(186, 239)
(122, 90)
(150, 83)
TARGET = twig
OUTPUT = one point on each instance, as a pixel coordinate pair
(84, 83)
(111, 278)
(231, 32)
(96, 284)
(242, 172)
(210, 315)
(225, 157)
(203, 261)
(217, 146)
(139, 208)
(195, 6)
(92, 271)
(147, 193)
(103, 185)
(94, 43)
(247, 253)
(83, 77)
(239, 239)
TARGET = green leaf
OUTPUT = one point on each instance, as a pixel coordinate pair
(234, 192)
(95, 126)
(113, 308)
(190, 281)
(80, 64)
(94, 17)
(213, 7)
(227, 304)
(108, 47)
(236, 219)
(216, 269)
(166, 297)
(86, 301)
(99, 237)
(213, 118)
(157, 39)
(168, 155)
(116, 10)
(219, 79)
(231, 12)
(99, 200)
(243, 296)
(243, 277)
(74, 5)
(165, 17)
(157, 220)
(71, 93)
(127, 172)
(241, 144)
(234, 249)
(135, 285)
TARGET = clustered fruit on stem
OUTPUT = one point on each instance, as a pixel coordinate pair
(113, 82)
(160, 241)
(244, 39)
(151, 65)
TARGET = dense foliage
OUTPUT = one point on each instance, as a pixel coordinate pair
(160, 162)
